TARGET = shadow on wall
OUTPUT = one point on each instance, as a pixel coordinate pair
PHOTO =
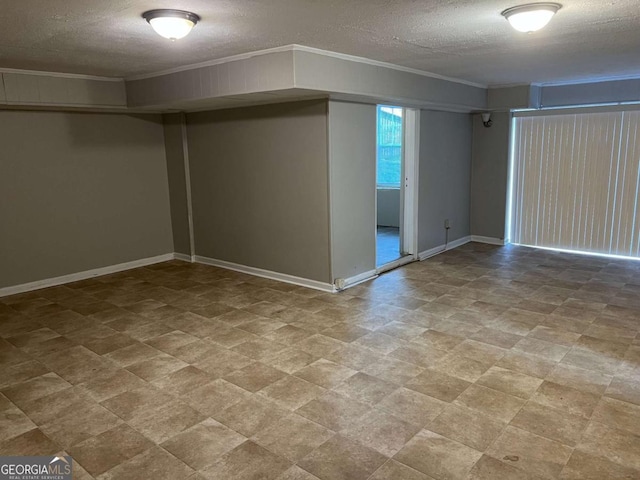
(388, 214)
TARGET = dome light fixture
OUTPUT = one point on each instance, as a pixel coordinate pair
(171, 24)
(532, 16)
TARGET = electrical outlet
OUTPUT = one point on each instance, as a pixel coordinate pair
(447, 224)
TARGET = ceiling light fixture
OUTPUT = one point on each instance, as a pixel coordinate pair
(531, 17)
(171, 24)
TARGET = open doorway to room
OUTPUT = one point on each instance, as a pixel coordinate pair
(395, 173)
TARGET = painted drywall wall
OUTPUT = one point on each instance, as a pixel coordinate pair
(388, 206)
(80, 191)
(174, 143)
(352, 154)
(444, 177)
(489, 176)
(259, 180)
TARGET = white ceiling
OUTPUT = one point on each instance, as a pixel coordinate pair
(466, 39)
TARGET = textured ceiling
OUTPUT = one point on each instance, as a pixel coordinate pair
(466, 39)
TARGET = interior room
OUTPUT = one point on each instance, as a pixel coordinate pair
(299, 240)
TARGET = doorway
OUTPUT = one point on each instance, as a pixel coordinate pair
(396, 164)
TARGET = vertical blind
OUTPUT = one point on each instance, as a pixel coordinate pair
(576, 182)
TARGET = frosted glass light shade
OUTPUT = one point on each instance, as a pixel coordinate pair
(532, 17)
(171, 24)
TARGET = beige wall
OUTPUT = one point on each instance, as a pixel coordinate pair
(388, 207)
(352, 133)
(174, 142)
(259, 180)
(445, 177)
(80, 191)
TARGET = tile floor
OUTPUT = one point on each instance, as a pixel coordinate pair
(481, 363)
(387, 245)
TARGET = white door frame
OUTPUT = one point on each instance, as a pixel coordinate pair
(409, 190)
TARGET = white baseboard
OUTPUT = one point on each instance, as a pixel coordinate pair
(442, 248)
(183, 257)
(258, 272)
(488, 240)
(75, 277)
(396, 263)
(344, 283)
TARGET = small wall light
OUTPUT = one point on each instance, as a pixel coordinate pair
(486, 119)
(531, 17)
(171, 24)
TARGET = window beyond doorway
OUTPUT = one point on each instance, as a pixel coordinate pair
(389, 146)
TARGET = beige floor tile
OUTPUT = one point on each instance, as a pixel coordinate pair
(393, 370)
(618, 446)
(529, 452)
(13, 423)
(218, 361)
(438, 456)
(353, 356)
(248, 461)
(156, 367)
(111, 384)
(380, 342)
(510, 382)
(435, 339)
(531, 365)
(381, 431)
(291, 360)
(319, 345)
(166, 421)
(153, 463)
(496, 337)
(325, 373)
(255, 376)
(365, 388)
(542, 335)
(333, 411)
(393, 470)
(182, 381)
(412, 407)
(109, 449)
(291, 392)
(467, 426)
(342, 459)
(488, 468)
(171, 341)
(626, 389)
(250, 416)
(566, 399)
(418, 354)
(583, 466)
(202, 444)
(490, 402)
(31, 443)
(134, 403)
(438, 385)
(77, 426)
(296, 473)
(461, 367)
(35, 388)
(618, 414)
(541, 348)
(21, 372)
(215, 396)
(554, 335)
(293, 437)
(580, 379)
(48, 408)
(550, 423)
